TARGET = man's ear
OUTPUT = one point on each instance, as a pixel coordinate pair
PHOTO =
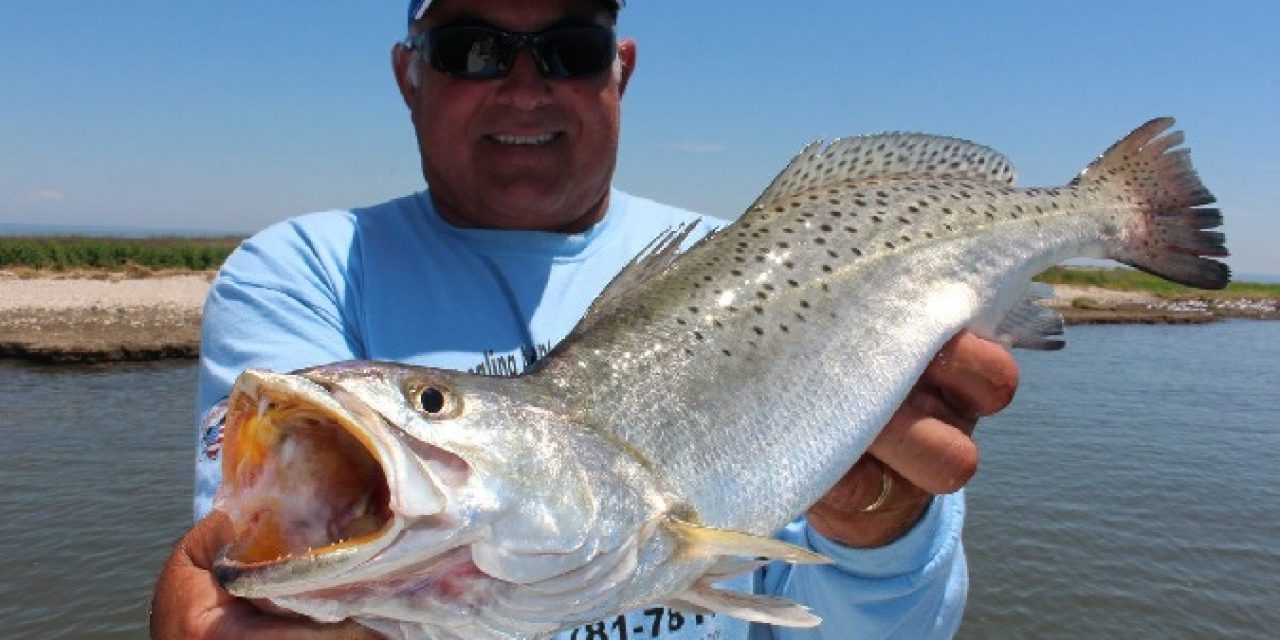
(401, 58)
(627, 58)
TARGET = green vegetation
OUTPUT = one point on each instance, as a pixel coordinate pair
(70, 253)
(1124, 279)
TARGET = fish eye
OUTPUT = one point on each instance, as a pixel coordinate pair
(432, 400)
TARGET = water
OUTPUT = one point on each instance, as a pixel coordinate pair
(1131, 491)
(95, 486)
(22, 229)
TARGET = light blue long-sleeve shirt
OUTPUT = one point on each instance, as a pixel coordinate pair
(396, 282)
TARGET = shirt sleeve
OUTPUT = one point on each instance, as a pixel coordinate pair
(914, 587)
(282, 301)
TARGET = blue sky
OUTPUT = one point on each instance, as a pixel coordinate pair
(230, 116)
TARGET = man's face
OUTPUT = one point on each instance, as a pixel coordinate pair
(521, 151)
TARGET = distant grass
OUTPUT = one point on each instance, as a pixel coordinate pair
(1123, 279)
(76, 253)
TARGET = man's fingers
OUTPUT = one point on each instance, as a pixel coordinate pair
(936, 456)
(977, 377)
(189, 603)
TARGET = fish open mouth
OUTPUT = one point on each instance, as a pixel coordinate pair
(300, 478)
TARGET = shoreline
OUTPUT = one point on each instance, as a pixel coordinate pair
(114, 318)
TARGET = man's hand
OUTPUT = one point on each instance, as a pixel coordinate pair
(189, 604)
(926, 449)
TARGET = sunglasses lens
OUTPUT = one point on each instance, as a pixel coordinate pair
(482, 52)
(471, 52)
(573, 52)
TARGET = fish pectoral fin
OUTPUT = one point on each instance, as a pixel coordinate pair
(699, 540)
(747, 606)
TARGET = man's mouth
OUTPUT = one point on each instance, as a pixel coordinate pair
(525, 140)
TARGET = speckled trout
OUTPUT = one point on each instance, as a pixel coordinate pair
(707, 398)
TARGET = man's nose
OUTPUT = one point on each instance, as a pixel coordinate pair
(525, 87)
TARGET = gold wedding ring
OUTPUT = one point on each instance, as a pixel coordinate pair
(886, 486)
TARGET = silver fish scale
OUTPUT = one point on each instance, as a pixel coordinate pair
(780, 301)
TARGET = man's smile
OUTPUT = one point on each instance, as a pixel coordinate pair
(538, 139)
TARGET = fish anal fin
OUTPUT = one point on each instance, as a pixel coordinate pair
(700, 540)
(747, 606)
(1029, 325)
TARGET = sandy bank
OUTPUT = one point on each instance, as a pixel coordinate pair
(92, 320)
(102, 320)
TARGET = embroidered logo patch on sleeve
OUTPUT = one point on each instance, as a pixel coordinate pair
(211, 430)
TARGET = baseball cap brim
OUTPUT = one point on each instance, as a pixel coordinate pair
(417, 8)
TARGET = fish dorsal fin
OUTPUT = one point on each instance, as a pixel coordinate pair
(654, 258)
(709, 541)
(887, 155)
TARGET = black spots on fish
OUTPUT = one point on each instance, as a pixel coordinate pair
(760, 295)
(693, 310)
(758, 330)
(697, 335)
(850, 229)
(947, 211)
(833, 254)
(758, 309)
(804, 304)
(737, 273)
(682, 322)
(877, 219)
(727, 353)
(826, 268)
(789, 264)
(904, 220)
(819, 240)
(826, 228)
(856, 252)
(784, 328)
(889, 245)
(793, 284)
(782, 244)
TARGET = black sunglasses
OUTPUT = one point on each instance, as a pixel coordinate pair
(481, 52)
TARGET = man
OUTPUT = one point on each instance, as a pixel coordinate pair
(495, 263)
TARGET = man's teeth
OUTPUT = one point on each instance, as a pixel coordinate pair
(542, 138)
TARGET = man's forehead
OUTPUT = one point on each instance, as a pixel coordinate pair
(418, 8)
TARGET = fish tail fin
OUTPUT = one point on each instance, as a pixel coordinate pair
(1172, 240)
